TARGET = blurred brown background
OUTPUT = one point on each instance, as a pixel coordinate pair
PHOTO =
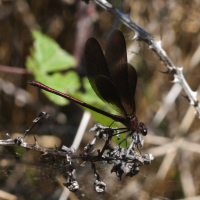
(173, 127)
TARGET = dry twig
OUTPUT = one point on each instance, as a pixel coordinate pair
(124, 160)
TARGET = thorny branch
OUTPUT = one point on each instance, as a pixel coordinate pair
(155, 46)
(124, 160)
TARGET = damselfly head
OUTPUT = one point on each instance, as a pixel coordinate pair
(142, 128)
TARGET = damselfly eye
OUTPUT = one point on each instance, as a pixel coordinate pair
(142, 128)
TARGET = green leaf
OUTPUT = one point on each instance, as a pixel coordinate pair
(48, 56)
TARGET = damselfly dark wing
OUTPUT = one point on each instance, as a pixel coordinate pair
(108, 92)
(122, 73)
(97, 68)
(111, 77)
(115, 52)
(124, 78)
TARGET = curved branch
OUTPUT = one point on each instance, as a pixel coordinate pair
(155, 46)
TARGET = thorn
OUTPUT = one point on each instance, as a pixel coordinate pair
(72, 149)
(35, 138)
(159, 43)
(176, 80)
(136, 35)
(180, 69)
(194, 94)
(8, 136)
(192, 103)
(185, 96)
(36, 144)
(128, 14)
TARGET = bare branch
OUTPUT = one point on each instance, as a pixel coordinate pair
(14, 70)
